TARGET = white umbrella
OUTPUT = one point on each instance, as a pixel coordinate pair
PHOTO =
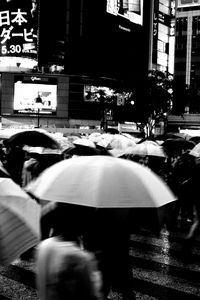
(84, 142)
(101, 181)
(195, 151)
(107, 182)
(19, 221)
(146, 149)
(111, 183)
(121, 142)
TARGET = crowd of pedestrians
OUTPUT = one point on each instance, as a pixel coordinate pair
(71, 260)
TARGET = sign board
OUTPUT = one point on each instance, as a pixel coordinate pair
(187, 3)
(19, 28)
(32, 93)
(129, 9)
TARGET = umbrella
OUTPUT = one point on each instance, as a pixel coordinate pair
(84, 142)
(19, 221)
(103, 139)
(81, 150)
(32, 138)
(177, 145)
(173, 135)
(195, 151)
(42, 150)
(195, 139)
(183, 135)
(121, 142)
(145, 149)
(102, 182)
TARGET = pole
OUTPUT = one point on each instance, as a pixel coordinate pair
(38, 118)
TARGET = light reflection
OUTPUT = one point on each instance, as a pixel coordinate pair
(165, 247)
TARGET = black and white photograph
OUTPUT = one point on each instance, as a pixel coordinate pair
(99, 149)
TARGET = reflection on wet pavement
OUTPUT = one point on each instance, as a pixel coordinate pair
(161, 269)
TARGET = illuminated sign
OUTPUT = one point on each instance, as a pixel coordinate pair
(94, 93)
(33, 93)
(129, 9)
(19, 28)
(187, 3)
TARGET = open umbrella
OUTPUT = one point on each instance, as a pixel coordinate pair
(103, 182)
(81, 150)
(19, 221)
(32, 138)
(146, 149)
(195, 151)
(120, 141)
(84, 142)
(195, 139)
(177, 145)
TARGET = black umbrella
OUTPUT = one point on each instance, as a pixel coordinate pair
(195, 139)
(81, 150)
(32, 138)
(177, 145)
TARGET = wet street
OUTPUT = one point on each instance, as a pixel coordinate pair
(161, 269)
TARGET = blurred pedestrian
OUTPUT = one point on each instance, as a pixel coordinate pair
(64, 269)
(13, 162)
(108, 237)
(192, 193)
(30, 168)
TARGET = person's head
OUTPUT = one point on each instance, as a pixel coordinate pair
(78, 278)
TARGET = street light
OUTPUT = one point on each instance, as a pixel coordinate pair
(38, 104)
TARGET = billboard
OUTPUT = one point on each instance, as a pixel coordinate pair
(19, 28)
(31, 96)
(129, 9)
(187, 3)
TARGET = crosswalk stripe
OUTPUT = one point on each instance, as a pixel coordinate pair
(159, 270)
(14, 290)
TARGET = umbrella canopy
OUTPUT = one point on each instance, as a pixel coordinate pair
(19, 221)
(84, 142)
(103, 139)
(42, 150)
(195, 139)
(120, 141)
(146, 149)
(183, 135)
(177, 145)
(173, 135)
(195, 151)
(81, 150)
(32, 138)
(107, 182)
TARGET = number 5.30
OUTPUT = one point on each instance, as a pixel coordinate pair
(12, 49)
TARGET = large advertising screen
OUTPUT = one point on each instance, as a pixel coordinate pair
(129, 9)
(188, 3)
(31, 97)
(19, 28)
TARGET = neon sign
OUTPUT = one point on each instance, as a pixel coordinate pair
(129, 9)
(18, 28)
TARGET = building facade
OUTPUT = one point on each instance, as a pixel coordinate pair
(162, 36)
(187, 65)
(80, 44)
(187, 61)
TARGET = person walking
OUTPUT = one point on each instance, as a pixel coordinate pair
(108, 238)
(64, 269)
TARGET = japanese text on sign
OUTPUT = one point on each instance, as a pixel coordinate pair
(18, 32)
